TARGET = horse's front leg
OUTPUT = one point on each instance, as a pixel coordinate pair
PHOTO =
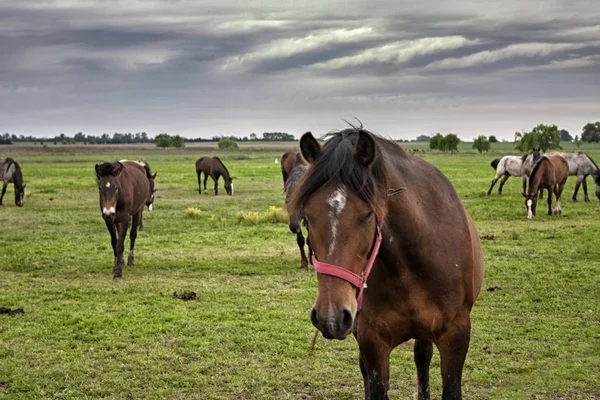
(423, 351)
(577, 184)
(374, 360)
(585, 197)
(199, 182)
(118, 268)
(136, 221)
(453, 346)
(113, 237)
(5, 184)
(550, 192)
(216, 189)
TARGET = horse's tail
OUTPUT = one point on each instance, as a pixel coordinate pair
(495, 163)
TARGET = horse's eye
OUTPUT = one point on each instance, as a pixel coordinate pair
(367, 217)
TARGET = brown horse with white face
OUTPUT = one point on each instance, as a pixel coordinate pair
(293, 168)
(373, 208)
(124, 191)
(550, 172)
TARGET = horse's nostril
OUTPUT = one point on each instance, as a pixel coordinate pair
(314, 319)
(347, 320)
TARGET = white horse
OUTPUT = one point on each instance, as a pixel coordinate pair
(580, 165)
(514, 166)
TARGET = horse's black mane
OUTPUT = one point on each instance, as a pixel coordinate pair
(593, 162)
(337, 165)
(223, 165)
(524, 157)
(107, 169)
(537, 165)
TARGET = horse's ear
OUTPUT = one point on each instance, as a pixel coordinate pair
(154, 176)
(524, 195)
(118, 169)
(97, 171)
(365, 148)
(310, 147)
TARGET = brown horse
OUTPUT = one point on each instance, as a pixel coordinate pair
(550, 172)
(213, 167)
(151, 180)
(293, 168)
(10, 171)
(124, 191)
(371, 206)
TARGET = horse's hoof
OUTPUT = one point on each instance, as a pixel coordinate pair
(586, 199)
(117, 278)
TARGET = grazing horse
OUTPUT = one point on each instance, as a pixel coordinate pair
(151, 177)
(293, 168)
(509, 166)
(213, 167)
(550, 172)
(379, 216)
(596, 176)
(580, 165)
(124, 189)
(10, 171)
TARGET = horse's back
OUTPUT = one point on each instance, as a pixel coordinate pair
(561, 167)
(135, 182)
(442, 242)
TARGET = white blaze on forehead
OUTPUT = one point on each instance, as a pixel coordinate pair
(337, 201)
(232, 189)
(529, 211)
(107, 184)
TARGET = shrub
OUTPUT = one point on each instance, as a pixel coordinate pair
(227, 144)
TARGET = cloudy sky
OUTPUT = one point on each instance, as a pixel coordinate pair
(204, 68)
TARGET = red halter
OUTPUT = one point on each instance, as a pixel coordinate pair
(358, 281)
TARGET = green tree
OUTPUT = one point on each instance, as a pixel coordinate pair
(451, 142)
(591, 132)
(546, 137)
(177, 142)
(577, 141)
(436, 142)
(481, 144)
(493, 139)
(423, 138)
(227, 144)
(565, 136)
(163, 140)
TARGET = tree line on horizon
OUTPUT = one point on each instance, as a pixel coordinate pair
(139, 137)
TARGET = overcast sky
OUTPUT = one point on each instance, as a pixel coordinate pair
(204, 68)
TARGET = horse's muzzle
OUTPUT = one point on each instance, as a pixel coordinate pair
(335, 325)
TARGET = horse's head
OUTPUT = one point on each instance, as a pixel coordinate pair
(229, 186)
(341, 201)
(530, 204)
(150, 200)
(19, 195)
(596, 176)
(108, 185)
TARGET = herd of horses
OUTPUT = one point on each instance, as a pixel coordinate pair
(396, 253)
(550, 172)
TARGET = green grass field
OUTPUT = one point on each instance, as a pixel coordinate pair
(248, 335)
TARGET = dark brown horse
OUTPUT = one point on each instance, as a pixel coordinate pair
(124, 191)
(213, 167)
(151, 179)
(293, 168)
(371, 206)
(10, 171)
(550, 172)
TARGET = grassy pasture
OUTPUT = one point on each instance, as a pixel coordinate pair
(537, 336)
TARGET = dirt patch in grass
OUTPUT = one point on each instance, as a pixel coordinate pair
(7, 310)
(185, 296)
